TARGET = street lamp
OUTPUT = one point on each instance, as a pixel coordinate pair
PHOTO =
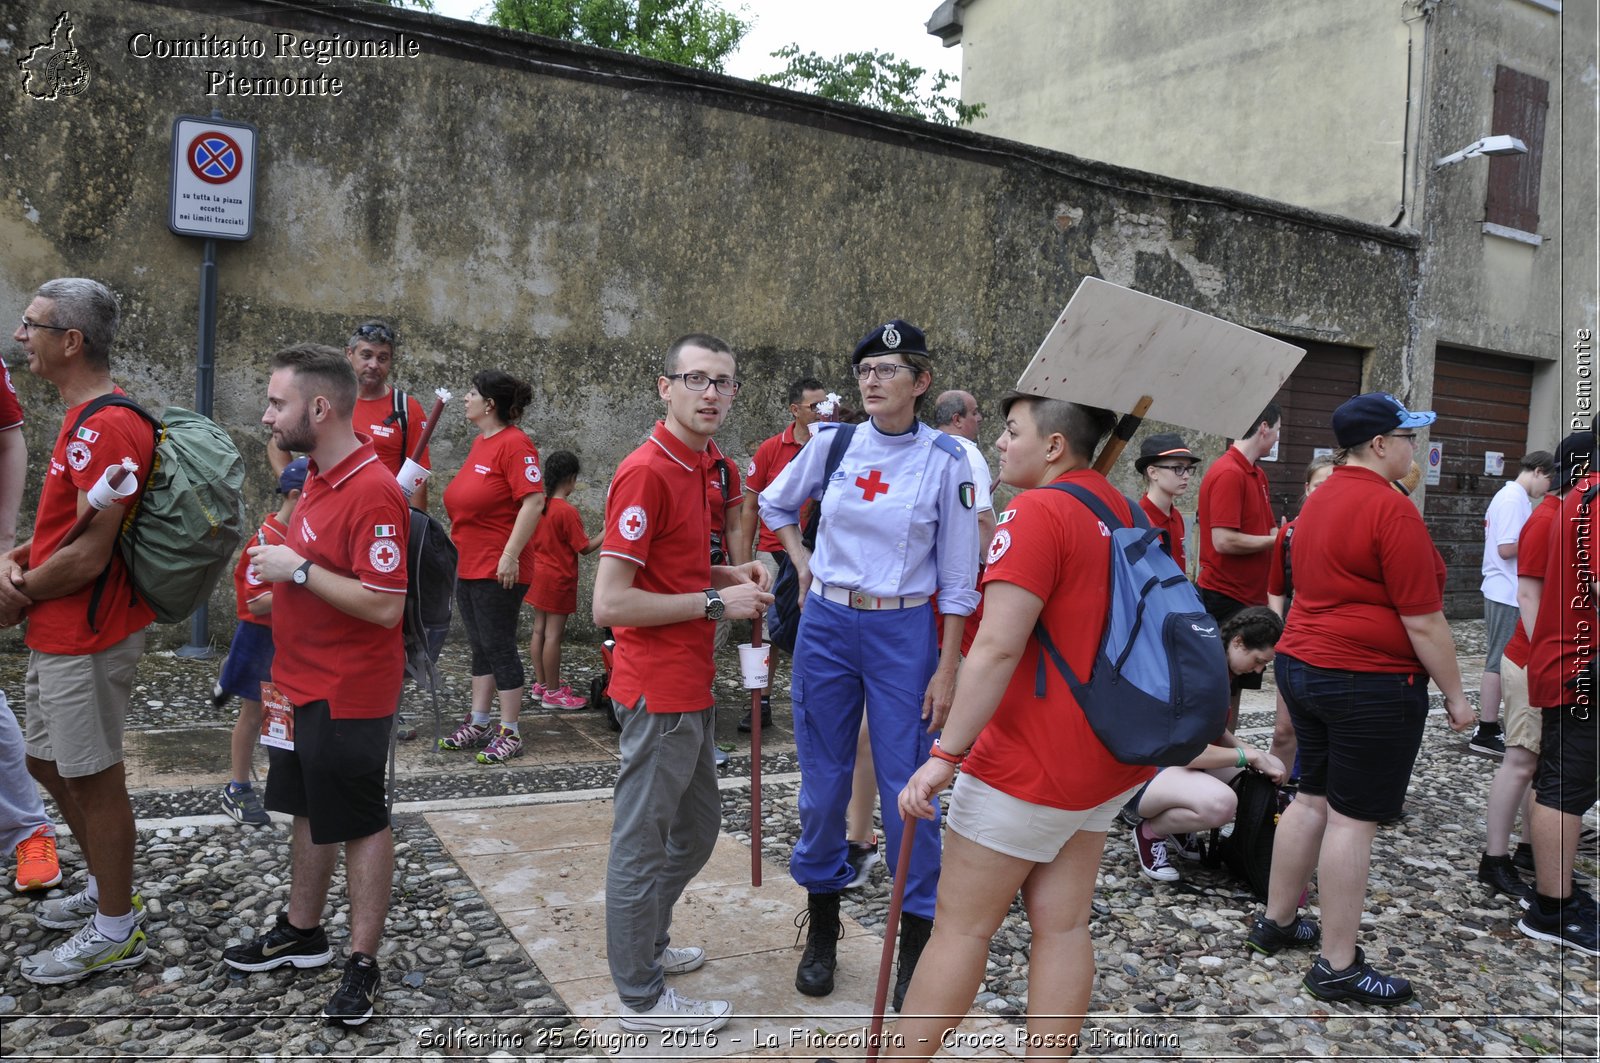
(1501, 144)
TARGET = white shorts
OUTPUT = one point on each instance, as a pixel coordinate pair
(998, 821)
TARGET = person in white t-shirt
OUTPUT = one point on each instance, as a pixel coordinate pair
(1503, 522)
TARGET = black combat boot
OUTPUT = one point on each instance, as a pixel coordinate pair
(814, 978)
(914, 931)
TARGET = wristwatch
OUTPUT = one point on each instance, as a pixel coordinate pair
(302, 573)
(714, 604)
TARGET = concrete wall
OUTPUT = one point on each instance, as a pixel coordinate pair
(564, 213)
(1487, 292)
(1302, 102)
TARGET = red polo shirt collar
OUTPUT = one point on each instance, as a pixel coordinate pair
(351, 462)
(679, 452)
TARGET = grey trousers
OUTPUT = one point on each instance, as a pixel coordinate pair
(666, 817)
(21, 810)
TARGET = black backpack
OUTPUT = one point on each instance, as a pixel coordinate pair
(430, 599)
(783, 615)
(1247, 850)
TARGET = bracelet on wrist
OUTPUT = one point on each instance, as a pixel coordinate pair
(1243, 759)
(938, 752)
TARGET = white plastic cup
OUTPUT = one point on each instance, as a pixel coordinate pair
(411, 477)
(102, 494)
(753, 662)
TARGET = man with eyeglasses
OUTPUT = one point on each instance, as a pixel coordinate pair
(805, 395)
(661, 596)
(392, 419)
(1167, 466)
(86, 630)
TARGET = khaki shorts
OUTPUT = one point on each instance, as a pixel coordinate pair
(1522, 722)
(998, 821)
(77, 706)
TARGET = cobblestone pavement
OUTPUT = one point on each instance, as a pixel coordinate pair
(1173, 978)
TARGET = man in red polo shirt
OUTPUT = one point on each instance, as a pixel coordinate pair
(658, 591)
(81, 668)
(1562, 669)
(371, 351)
(805, 396)
(1237, 530)
(339, 583)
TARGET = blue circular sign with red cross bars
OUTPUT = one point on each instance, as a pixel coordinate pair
(214, 157)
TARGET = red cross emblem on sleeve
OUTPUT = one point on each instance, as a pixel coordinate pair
(872, 486)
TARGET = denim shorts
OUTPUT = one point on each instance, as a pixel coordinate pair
(1359, 733)
(249, 662)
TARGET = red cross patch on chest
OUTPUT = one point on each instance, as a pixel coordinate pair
(872, 485)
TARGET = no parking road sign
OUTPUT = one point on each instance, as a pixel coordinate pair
(213, 178)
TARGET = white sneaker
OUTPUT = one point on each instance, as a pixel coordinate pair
(682, 961)
(672, 1012)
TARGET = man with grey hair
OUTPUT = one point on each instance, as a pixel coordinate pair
(85, 629)
(955, 413)
(392, 419)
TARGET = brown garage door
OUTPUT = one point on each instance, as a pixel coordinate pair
(1482, 402)
(1325, 377)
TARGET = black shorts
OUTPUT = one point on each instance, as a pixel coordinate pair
(1359, 733)
(334, 775)
(1222, 608)
(1567, 776)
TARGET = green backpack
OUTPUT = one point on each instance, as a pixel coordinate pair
(181, 536)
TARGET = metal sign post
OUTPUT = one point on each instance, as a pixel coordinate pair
(213, 197)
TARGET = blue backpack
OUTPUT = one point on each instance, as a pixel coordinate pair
(1158, 691)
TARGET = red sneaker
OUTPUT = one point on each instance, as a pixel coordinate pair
(37, 865)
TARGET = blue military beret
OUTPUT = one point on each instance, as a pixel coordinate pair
(897, 337)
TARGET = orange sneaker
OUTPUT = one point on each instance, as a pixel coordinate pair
(37, 866)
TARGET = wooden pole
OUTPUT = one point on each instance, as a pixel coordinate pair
(1126, 427)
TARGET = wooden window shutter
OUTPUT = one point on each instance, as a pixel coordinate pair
(1520, 104)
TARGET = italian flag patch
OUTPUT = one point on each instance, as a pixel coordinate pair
(968, 495)
(88, 435)
(383, 531)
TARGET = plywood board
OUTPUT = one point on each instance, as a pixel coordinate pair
(1112, 345)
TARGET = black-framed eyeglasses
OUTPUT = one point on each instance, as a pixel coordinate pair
(1178, 470)
(883, 370)
(699, 382)
(1404, 435)
(372, 331)
(29, 326)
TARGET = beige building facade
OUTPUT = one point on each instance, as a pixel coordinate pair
(1346, 106)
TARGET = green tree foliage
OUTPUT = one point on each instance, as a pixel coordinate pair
(874, 79)
(689, 32)
(421, 5)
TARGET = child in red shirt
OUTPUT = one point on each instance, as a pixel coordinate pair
(249, 660)
(557, 542)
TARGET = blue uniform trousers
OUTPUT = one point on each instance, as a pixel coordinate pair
(841, 657)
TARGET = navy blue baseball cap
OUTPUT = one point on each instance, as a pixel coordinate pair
(293, 477)
(1575, 456)
(1375, 414)
(897, 337)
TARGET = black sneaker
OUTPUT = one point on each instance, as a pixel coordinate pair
(280, 945)
(1268, 938)
(352, 1001)
(220, 697)
(745, 721)
(1500, 875)
(1357, 982)
(1488, 739)
(862, 855)
(1574, 926)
